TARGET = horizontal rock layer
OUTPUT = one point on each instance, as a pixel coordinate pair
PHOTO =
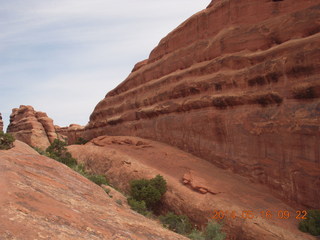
(236, 84)
(43, 199)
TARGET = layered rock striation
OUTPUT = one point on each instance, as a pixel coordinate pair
(32, 127)
(236, 84)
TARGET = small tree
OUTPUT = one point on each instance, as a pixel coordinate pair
(6, 141)
(57, 150)
(149, 191)
(159, 183)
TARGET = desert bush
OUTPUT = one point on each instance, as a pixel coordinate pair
(6, 141)
(312, 223)
(149, 191)
(138, 206)
(196, 235)
(57, 150)
(58, 147)
(97, 179)
(79, 168)
(211, 232)
(159, 183)
(177, 223)
(40, 151)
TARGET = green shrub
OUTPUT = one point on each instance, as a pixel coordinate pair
(97, 179)
(177, 223)
(119, 202)
(58, 147)
(196, 235)
(6, 141)
(81, 141)
(79, 168)
(57, 150)
(159, 183)
(312, 223)
(213, 231)
(138, 206)
(40, 151)
(149, 191)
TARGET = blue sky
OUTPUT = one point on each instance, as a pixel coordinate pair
(63, 56)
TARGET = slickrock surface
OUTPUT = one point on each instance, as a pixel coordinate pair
(43, 199)
(123, 159)
(236, 84)
(1, 123)
(32, 127)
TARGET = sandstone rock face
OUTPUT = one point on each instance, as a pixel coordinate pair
(207, 188)
(72, 133)
(43, 199)
(1, 123)
(236, 84)
(32, 127)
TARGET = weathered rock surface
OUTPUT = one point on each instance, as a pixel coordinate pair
(73, 132)
(43, 199)
(236, 84)
(1, 123)
(32, 127)
(123, 159)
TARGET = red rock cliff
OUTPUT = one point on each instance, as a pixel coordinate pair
(236, 84)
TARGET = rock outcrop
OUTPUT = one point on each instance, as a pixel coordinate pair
(1, 123)
(208, 188)
(32, 127)
(43, 199)
(73, 132)
(237, 84)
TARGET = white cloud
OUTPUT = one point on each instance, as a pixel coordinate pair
(63, 56)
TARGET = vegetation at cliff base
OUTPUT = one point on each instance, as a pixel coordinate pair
(312, 223)
(6, 141)
(145, 197)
